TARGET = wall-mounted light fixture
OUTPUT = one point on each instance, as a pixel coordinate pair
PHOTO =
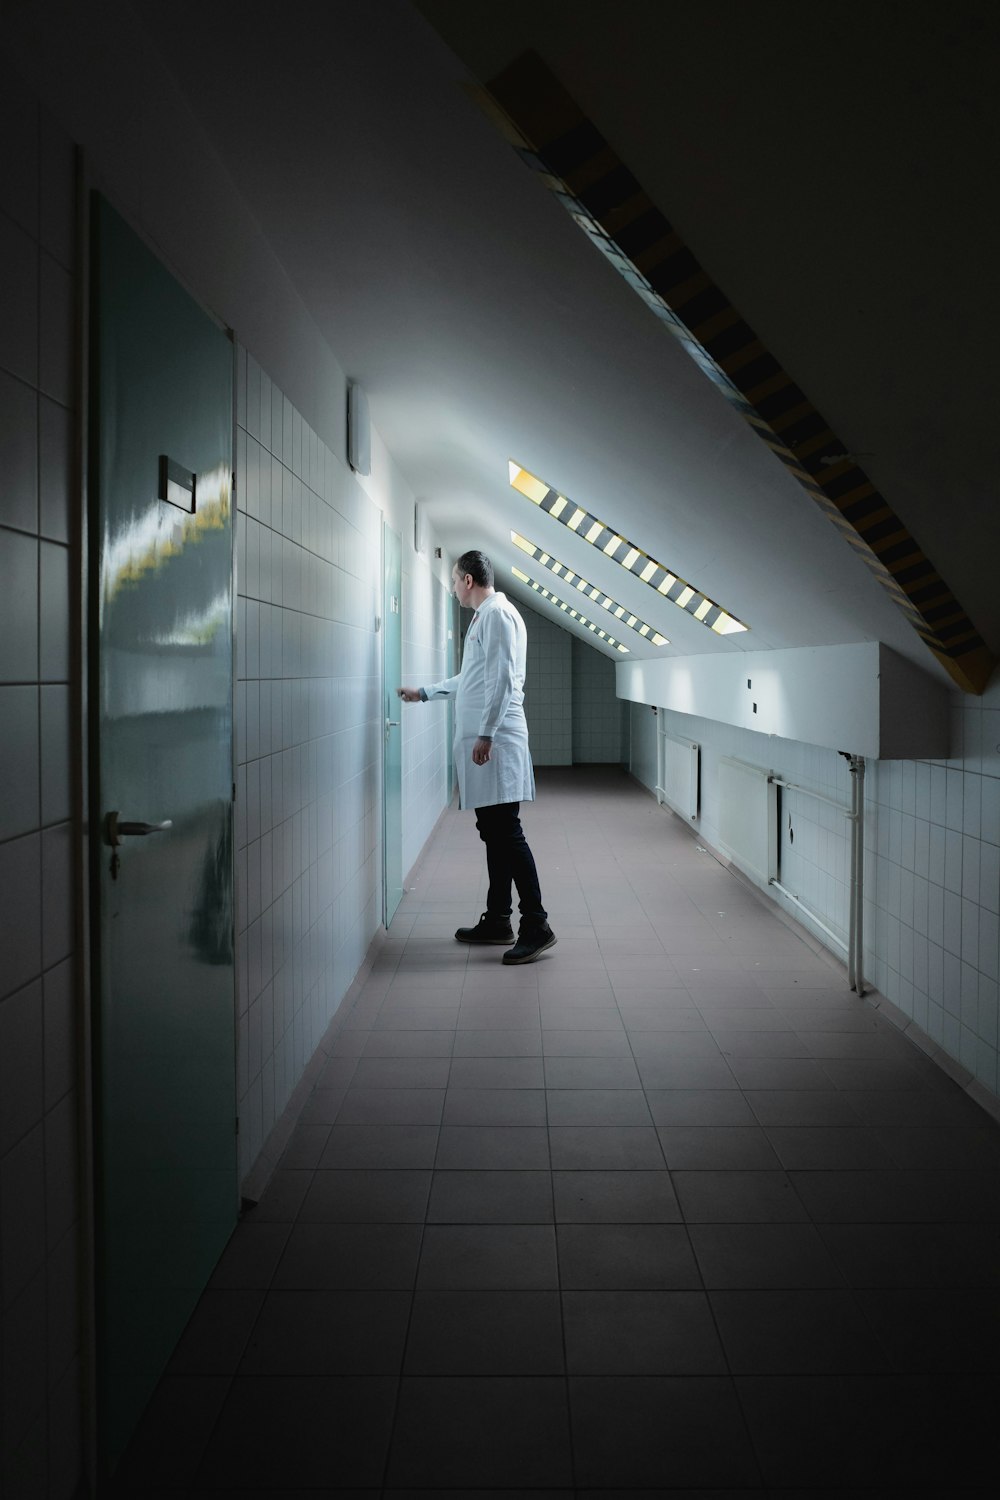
(625, 553)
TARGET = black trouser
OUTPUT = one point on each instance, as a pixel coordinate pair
(509, 860)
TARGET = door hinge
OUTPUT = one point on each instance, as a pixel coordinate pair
(236, 1122)
(234, 791)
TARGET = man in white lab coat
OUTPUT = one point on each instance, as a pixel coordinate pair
(493, 760)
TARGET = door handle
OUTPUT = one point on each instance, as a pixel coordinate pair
(115, 831)
(392, 723)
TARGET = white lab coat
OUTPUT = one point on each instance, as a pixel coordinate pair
(489, 700)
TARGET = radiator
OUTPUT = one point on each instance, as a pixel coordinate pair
(748, 819)
(679, 763)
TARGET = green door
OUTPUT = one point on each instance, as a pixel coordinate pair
(160, 694)
(392, 761)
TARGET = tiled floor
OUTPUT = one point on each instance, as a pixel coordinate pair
(667, 1212)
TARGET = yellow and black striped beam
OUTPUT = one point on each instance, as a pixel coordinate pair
(555, 139)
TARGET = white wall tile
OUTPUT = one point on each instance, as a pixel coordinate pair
(18, 607)
(18, 454)
(19, 775)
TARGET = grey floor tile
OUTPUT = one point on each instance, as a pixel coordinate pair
(916, 1255)
(305, 1146)
(779, 1073)
(363, 1196)
(496, 1073)
(499, 1257)
(901, 1196)
(737, 1197)
(590, 1072)
(599, 1148)
(595, 1044)
(333, 1257)
(671, 1045)
(491, 1198)
(338, 1073)
(673, 1107)
(489, 1432)
(820, 1331)
(498, 1043)
(693, 1147)
(963, 1147)
(663, 1073)
(937, 1330)
(766, 1044)
(510, 1147)
(615, 1198)
(870, 1433)
(216, 1336)
(417, 1018)
(380, 1146)
(278, 1432)
(616, 1257)
(351, 1332)
(249, 1260)
(561, 1016)
(495, 1106)
(763, 1256)
(322, 1106)
(673, 1019)
(282, 1198)
(391, 1106)
(409, 1044)
(862, 1073)
(641, 1333)
(787, 1107)
(659, 1431)
(944, 1106)
(828, 1146)
(406, 1072)
(485, 1333)
(597, 1107)
(170, 1440)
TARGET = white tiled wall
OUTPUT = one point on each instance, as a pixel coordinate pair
(308, 719)
(548, 690)
(598, 715)
(41, 1422)
(932, 863)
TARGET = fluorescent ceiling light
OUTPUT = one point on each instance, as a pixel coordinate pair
(540, 588)
(655, 574)
(590, 590)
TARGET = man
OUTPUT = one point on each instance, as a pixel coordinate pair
(494, 764)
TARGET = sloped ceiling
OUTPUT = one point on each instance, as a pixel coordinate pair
(829, 167)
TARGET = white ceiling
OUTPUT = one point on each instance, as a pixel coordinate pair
(829, 167)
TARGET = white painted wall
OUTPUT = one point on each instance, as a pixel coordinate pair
(863, 698)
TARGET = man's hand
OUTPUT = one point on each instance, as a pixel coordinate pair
(482, 751)
(409, 695)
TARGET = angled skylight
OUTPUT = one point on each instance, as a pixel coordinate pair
(625, 553)
(569, 609)
(619, 612)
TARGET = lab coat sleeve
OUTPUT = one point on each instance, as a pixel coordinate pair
(445, 689)
(499, 646)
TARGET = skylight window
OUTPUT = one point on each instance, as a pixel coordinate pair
(574, 614)
(632, 559)
(605, 601)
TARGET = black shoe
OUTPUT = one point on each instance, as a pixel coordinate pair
(488, 930)
(531, 945)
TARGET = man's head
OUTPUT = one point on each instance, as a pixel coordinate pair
(472, 576)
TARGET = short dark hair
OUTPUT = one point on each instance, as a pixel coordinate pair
(478, 565)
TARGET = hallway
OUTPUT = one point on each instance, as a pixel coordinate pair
(667, 1211)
